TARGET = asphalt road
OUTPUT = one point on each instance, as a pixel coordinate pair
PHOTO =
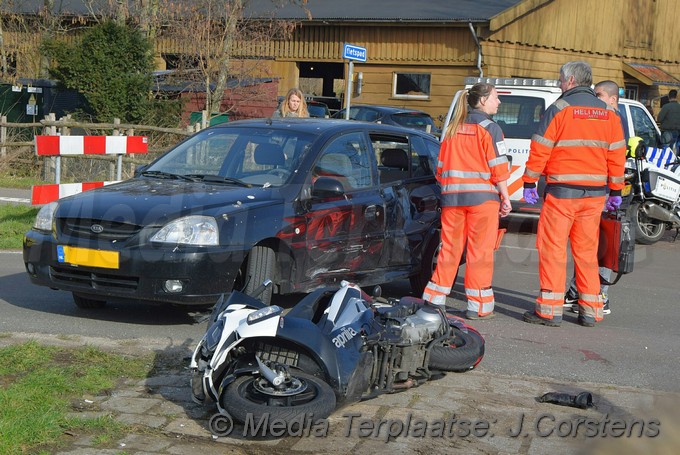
(637, 345)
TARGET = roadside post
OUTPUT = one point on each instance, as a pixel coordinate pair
(351, 53)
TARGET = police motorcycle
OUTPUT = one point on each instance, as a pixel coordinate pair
(653, 193)
(334, 347)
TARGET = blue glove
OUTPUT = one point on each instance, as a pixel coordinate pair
(530, 195)
(613, 203)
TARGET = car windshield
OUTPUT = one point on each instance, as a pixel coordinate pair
(414, 120)
(234, 156)
(317, 110)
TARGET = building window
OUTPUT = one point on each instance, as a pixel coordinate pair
(411, 85)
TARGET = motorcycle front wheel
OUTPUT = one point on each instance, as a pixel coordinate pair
(303, 395)
(647, 230)
(460, 352)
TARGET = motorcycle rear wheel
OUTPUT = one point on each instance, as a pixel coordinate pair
(461, 352)
(647, 230)
(242, 397)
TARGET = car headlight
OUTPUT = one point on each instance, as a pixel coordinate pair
(190, 230)
(45, 217)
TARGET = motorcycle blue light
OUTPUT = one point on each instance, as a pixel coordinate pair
(264, 313)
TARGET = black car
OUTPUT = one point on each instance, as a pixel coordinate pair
(409, 118)
(304, 202)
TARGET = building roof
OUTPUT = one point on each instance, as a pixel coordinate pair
(332, 10)
(386, 10)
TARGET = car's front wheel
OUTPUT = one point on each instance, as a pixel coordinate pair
(260, 267)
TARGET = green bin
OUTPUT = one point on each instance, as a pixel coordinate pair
(215, 119)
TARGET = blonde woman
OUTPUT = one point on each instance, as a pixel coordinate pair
(293, 105)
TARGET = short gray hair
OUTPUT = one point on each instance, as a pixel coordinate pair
(583, 74)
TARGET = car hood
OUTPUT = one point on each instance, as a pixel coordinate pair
(144, 201)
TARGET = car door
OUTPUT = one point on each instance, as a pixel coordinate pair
(345, 231)
(410, 194)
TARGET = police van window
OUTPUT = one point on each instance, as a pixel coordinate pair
(518, 116)
(644, 126)
(624, 120)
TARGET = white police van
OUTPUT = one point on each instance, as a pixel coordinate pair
(523, 102)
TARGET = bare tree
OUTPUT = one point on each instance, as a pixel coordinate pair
(216, 34)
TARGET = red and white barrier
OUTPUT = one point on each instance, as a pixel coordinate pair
(81, 145)
(44, 194)
(90, 145)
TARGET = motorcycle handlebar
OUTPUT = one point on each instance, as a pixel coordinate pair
(261, 288)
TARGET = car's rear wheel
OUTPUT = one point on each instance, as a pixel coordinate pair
(429, 263)
(87, 303)
(260, 267)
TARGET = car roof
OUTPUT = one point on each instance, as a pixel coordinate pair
(318, 126)
(389, 109)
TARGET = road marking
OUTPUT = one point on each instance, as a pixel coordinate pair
(15, 199)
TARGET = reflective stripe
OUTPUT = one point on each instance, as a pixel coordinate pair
(438, 299)
(617, 179)
(472, 292)
(467, 174)
(553, 312)
(617, 145)
(543, 141)
(485, 123)
(592, 298)
(438, 289)
(533, 174)
(573, 177)
(550, 295)
(582, 143)
(486, 307)
(560, 104)
(440, 164)
(469, 187)
(497, 161)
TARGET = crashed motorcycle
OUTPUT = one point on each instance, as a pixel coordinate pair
(334, 347)
(653, 193)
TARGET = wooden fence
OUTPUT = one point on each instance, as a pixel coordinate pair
(50, 126)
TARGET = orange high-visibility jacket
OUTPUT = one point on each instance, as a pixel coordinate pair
(472, 161)
(579, 145)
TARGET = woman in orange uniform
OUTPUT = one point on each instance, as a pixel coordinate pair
(472, 170)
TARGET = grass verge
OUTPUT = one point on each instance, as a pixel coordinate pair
(38, 384)
(15, 220)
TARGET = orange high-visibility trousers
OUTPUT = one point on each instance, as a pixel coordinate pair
(478, 226)
(576, 220)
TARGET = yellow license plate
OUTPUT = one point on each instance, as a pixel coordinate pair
(626, 190)
(88, 257)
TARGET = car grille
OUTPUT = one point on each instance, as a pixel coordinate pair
(92, 280)
(111, 230)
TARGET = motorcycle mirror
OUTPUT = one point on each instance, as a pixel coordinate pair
(377, 292)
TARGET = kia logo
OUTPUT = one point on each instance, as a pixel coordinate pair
(97, 228)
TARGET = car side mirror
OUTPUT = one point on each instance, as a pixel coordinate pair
(326, 187)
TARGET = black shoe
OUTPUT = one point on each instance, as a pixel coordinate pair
(532, 318)
(605, 308)
(586, 321)
(571, 302)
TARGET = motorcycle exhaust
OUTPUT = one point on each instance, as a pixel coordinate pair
(657, 212)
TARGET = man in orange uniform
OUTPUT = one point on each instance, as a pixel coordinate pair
(472, 171)
(580, 148)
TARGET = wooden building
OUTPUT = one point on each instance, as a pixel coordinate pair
(419, 52)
